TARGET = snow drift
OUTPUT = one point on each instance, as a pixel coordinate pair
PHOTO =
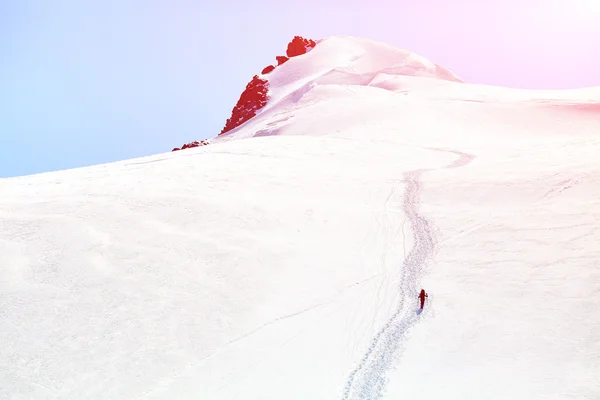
(283, 260)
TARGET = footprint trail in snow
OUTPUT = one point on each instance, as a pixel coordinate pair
(368, 380)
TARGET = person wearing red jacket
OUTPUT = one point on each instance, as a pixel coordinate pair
(422, 296)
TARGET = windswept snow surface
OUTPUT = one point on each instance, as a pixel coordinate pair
(283, 261)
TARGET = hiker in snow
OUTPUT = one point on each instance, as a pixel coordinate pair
(422, 296)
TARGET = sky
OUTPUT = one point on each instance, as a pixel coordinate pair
(90, 82)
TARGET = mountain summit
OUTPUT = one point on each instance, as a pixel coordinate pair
(337, 60)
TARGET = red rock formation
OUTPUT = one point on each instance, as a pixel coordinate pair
(255, 95)
(253, 98)
(299, 46)
(192, 144)
(267, 69)
(281, 60)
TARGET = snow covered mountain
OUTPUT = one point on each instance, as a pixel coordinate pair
(283, 259)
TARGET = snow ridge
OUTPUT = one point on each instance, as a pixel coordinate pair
(368, 380)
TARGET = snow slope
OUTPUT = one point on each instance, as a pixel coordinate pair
(283, 260)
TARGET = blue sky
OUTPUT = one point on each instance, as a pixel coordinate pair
(84, 82)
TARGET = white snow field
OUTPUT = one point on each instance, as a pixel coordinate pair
(283, 260)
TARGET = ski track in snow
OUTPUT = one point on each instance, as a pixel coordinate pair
(368, 380)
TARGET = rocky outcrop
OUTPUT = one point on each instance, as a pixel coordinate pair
(281, 60)
(267, 69)
(299, 46)
(255, 96)
(191, 144)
